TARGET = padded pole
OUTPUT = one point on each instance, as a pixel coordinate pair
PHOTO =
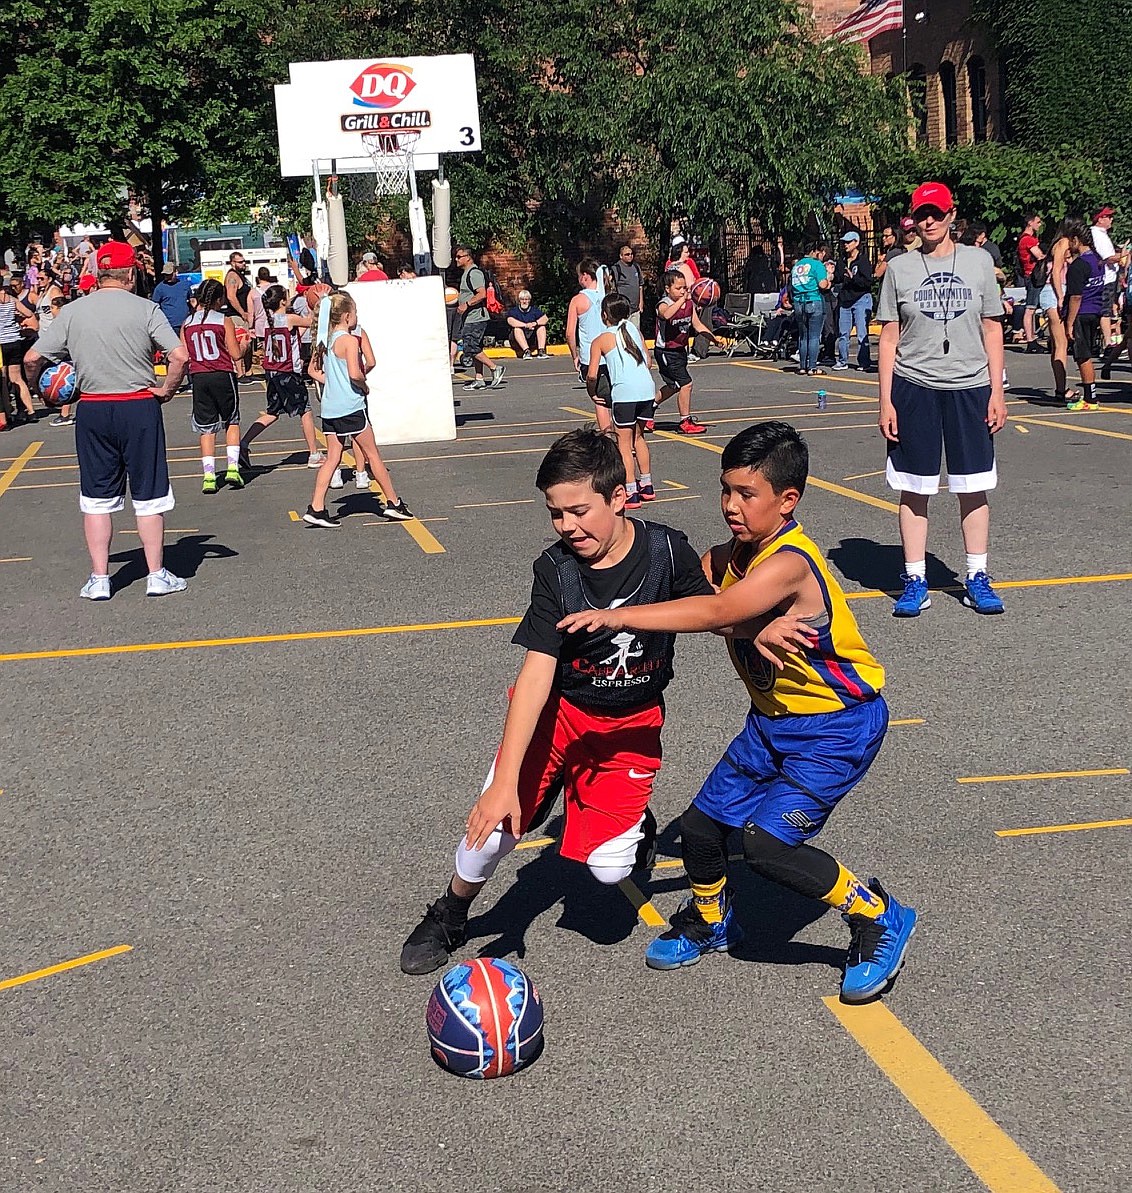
(441, 223)
(338, 258)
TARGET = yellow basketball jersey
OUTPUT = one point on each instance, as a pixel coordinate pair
(836, 672)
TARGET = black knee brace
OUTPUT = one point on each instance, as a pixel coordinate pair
(801, 868)
(703, 845)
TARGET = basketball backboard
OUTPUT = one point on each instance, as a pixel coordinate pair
(327, 106)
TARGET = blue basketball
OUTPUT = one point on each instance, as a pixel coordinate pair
(484, 1019)
(57, 384)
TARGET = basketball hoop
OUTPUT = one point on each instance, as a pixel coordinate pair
(392, 157)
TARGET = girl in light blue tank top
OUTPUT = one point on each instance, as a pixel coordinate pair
(340, 367)
(623, 352)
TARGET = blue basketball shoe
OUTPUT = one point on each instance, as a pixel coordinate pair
(877, 948)
(691, 936)
(914, 599)
(980, 596)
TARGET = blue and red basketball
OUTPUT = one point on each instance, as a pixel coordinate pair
(705, 292)
(484, 1019)
(57, 384)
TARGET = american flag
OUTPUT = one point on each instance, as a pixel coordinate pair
(873, 17)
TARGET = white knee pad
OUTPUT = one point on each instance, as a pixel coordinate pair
(478, 865)
(613, 861)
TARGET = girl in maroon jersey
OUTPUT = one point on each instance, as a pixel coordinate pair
(676, 322)
(209, 337)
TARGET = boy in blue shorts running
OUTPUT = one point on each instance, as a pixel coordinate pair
(816, 723)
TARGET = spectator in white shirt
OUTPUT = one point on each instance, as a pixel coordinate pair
(1110, 258)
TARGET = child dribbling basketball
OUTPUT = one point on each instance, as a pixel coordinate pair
(283, 365)
(676, 322)
(626, 359)
(209, 337)
(340, 367)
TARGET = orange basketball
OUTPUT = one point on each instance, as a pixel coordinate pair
(243, 338)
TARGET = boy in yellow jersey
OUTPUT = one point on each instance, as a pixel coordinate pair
(816, 723)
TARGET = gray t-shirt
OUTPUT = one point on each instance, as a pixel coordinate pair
(627, 279)
(931, 295)
(110, 336)
(472, 279)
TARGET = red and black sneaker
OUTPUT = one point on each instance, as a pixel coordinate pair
(689, 426)
(649, 425)
(633, 501)
(647, 493)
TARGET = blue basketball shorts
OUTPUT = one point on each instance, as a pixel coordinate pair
(930, 421)
(118, 441)
(786, 774)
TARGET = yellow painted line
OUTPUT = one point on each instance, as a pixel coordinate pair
(17, 559)
(574, 410)
(946, 1106)
(170, 530)
(1061, 828)
(17, 466)
(1021, 430)
(387, 522)
(674, 484)
(536, 842)
(1073, 426)
(829, 486)
(254, 640)
(1051, 582)
(909, 721)
(645, 909)
(860, 476)
(483, 505)
(832, 393)
(423, 537)
(294, 515)
(841, 380)
(174, 476)
(89, 959)
(1044, 774)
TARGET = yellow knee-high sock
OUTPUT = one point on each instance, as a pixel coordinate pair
(710, 900)
(853, 897)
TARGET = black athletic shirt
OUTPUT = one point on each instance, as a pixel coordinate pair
(588, 663)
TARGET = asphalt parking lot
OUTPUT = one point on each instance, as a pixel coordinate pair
(229, 807)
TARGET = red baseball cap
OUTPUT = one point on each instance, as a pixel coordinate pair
(115, 254)
(907, 224)
(932, 194)
(87, 282)
(1105, 210)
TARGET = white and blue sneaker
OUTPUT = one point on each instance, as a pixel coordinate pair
(980, 596)
(162, 583)
(691, 936)
(97, 588)
(914, 599)
(877, 948)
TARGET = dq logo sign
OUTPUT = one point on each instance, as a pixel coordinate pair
(383, 85)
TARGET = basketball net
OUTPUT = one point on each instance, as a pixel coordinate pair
(392, 157)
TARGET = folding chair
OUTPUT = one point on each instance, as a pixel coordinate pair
(744, 325)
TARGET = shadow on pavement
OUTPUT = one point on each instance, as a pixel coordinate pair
(183, 558)
(878, 566)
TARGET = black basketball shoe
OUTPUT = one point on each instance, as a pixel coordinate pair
(646, 847)
(430, 943)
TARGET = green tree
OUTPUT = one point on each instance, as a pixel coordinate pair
(148, 96)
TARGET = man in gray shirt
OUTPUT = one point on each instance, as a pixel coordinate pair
(110, 337)
(630, 282)
(941, 365)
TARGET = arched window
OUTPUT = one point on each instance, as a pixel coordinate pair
(918, 99)
(980, 99)
(950, 105)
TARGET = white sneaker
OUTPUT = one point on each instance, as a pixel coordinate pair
(361, 479)
(97, 588)
(315, 459)
(162, 583)
(336, 481)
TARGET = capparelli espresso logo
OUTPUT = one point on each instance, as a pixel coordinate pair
(383, 85)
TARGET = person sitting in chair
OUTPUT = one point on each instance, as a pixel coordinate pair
(527, 324)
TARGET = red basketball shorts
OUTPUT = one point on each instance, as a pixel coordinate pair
(603, 763)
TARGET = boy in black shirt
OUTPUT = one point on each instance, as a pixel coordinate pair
(585, 712)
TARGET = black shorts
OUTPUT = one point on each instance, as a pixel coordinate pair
(1085, 328)
(473, 334)
(347, 424)
(116, 441)
(14, 351)
(929, 421)
(1108, 297)
(673, 366)
(216, 402)
(453, 319)
(604, 385)
(628, 414)
(287, 394)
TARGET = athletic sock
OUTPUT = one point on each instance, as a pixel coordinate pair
(916, 569)
(457, 906)
(851, 896)
(631, 488)
(976, 563)
(646, 479)
(208, 463)
(710, 899)
(1090, 391)
(233, 454)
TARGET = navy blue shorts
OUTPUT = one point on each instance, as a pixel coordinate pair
(628, 414)
(786, 774)
(929, 421)
(120, 441)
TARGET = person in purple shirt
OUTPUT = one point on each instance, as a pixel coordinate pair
(1084, 305)
(172, 295)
